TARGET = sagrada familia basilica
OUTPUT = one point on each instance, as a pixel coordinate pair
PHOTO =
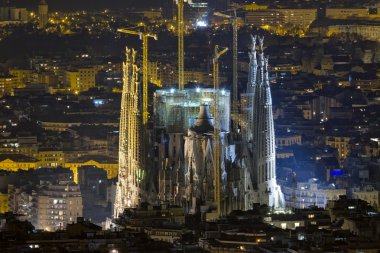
(185, 143)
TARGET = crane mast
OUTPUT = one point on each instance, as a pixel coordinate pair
(235, 109)
(144, 37)
(145, 112)
(215, 72)
(180, 31)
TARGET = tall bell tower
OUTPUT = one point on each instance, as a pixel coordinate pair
(43, 11)
(131, 163)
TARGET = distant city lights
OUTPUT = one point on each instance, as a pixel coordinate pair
(201, 23)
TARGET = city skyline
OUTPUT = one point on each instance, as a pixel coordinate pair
(70, 5)
(200, 126)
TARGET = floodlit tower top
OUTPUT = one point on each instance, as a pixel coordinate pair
(203, 124)
(261, 43)
(253, 38)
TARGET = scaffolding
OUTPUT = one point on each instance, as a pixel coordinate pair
(176, 110)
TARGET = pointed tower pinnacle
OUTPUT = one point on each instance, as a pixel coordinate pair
(261, 43)
(252, 64)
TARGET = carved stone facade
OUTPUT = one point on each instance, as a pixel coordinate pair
(199, 160)
(247, 163)
(131, 164)
(184, 151)
(186, 175)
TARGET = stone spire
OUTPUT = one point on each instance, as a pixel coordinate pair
(131, 171)
(264, 153)
(252, 65)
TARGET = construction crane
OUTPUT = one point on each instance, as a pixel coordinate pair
(233, 21)
(217, 175)
(144, 37)
(180, 32)
(154, 74)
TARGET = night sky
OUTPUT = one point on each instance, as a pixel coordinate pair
(87, 4)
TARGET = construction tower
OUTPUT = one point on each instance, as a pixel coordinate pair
(235, 108)
(217, 146)
(180, 33)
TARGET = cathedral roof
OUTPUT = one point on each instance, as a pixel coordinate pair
(203, 123)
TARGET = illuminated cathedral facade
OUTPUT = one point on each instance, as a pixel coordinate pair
(131, 162)
(184, 140)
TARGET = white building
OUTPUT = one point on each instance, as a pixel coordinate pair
(367, 31)
(368, 194)
(58, 205)
(310, 193)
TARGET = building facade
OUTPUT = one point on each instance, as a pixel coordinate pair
(43, 10)
(311, 193)
(301, 18)
(15, 162)
(368, 194)
(58, 205)
(7, 84)
(199, 179)
(344, 13)
(341, 143)
(108, 164)
(185, 144)
(285, 140)
(81, 79)
(186, 147)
